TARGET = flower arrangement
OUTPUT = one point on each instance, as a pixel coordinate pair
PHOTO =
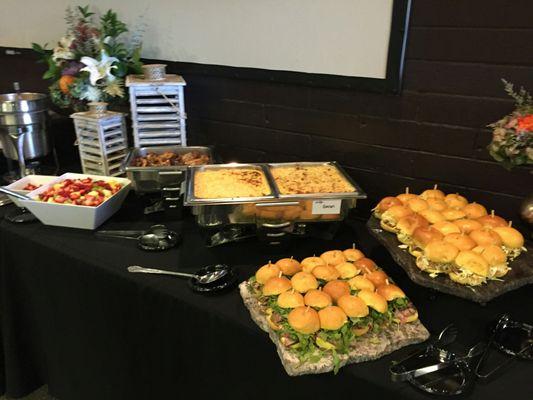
(512, 138)
(90, 62)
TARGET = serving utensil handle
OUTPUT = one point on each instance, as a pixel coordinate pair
(138, 269)
(14, 194)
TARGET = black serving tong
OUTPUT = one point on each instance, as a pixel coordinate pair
(511, 337)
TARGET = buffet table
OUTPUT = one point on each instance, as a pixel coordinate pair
(72, 317)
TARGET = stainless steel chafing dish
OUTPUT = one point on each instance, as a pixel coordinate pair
(157, 178)
(273, 210)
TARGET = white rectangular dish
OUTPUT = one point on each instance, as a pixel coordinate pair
(37, 180)
(76, 216)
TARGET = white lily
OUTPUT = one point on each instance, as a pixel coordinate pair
(62, 51)
(99, 69)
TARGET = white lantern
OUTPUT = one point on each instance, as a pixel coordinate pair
(102, 141)
(157, 107)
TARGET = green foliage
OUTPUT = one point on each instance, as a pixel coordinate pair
(111, 25)
(522, 98)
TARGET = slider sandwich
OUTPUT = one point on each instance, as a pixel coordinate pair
(474, 210)
(486, 237)
(360, 283)
(385, 204)
(492, 221)
(432, 216)
(303, 282)
(467, 225)
(378, 308)
(460, 240)
(433, 194)
(353, 254)
(496, 258)
(347, 270)
(336, 289)
(407, 225)
(405, 197)
(333, 257)
(455, 200)
(309, 263)
(417, 204)
(470, 268)
(365, 265)
(437, 204)
(446, 227)
(289, 266)
(512, 241)
(421, 238)
(401, 308)
(358, 313)
(326, 273)
(316, 298)
(452, 214)
(390, 218)
(437, 258)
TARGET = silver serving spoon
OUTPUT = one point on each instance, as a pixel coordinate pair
(208, 277)
(157, 237)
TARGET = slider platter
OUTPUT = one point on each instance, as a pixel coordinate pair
(521, 272)
(366, 348)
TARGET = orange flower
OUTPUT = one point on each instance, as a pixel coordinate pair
(65, 82)
(525, 123)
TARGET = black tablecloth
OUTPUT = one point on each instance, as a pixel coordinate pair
(72, 317)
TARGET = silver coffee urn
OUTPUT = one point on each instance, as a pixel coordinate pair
(23, 128)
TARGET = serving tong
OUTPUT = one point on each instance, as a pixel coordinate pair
(437, 370)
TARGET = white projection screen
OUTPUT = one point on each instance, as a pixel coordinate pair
(335, 37)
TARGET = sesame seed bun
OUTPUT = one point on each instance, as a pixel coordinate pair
(266, 272)
(303, 282)
(332, 318)
(309, 263)
(373, 300)
(446, 227)
(474, 210)
(347, 270)
(486, 237)
(360, 282)
(333, 257)
(390, 292)
(467, 225)
(441, 252)
(455, 200)
(510, 237)
(317, 298)
(290, 299)
(353, 306)
(276, 285)
(353, 254)
(326, 273)
(289, 266)
(304, 320)
(336, 289)
(461, 241)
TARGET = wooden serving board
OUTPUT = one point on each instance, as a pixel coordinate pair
(367, 347)
(521, 272)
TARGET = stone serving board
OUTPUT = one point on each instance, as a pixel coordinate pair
(521, 273)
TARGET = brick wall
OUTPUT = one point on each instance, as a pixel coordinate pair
(434, 132)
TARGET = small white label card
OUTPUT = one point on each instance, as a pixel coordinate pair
(330, 206)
